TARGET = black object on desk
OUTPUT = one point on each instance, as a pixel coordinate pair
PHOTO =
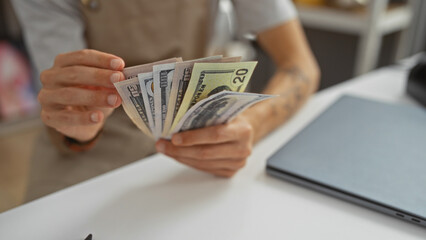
(416, 84)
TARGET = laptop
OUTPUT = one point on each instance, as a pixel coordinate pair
(367, 152)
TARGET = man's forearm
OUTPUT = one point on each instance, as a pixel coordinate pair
(294, 85)
(296, 78)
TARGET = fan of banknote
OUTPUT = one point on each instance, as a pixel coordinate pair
(169, 96)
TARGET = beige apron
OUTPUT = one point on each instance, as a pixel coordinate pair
(139, 31)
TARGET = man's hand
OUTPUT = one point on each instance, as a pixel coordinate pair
(221, 150)
(78, 92)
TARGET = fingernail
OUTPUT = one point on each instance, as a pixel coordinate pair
(115, 77)
(94, 117)
(116, 63)
(161, 147)
(112, 99)
(177, 139)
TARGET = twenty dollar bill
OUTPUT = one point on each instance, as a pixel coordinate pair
(210, 78)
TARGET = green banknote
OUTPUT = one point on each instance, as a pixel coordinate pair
(210, 78)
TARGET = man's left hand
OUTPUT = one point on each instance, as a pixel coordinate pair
(221, 150)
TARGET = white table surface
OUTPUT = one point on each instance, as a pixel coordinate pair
(158, 198)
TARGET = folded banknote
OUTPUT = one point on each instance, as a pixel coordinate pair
(170, 96)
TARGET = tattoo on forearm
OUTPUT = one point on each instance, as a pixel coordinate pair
(296, 73)
(291, 99)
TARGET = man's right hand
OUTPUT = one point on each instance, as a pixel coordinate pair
(78, 92)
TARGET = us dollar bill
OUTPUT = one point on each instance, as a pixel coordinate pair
(180, 82)
(146, 81)
(210, 78)
(163, 75)
(133, 103)
(217, 109)
(131, 72)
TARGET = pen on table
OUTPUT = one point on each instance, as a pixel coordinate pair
(89, 237)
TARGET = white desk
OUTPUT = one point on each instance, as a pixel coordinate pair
(157, 198)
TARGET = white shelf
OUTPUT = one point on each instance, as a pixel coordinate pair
(331, 19)
(370, 24)
(352, 22)
(395, 19)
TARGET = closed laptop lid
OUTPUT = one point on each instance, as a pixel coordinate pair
(370, 149)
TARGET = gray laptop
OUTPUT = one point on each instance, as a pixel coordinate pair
(363, 151)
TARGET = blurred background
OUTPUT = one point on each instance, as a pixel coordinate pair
(348, 38)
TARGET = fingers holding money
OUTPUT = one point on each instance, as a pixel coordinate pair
(220, 150)
(219, 164)
(80, 76)
(71, 117)
(225, 168)
(207, 152)
(222, 133)
(89, 57)
(78, 92)
(73, 96)
(76, 123)
(84, 68)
